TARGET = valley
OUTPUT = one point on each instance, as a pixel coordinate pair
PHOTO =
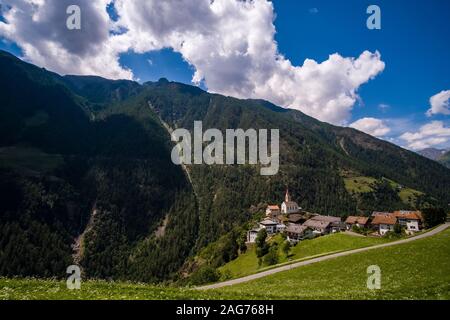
(72, 145)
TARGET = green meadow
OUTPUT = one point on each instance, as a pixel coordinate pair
(247, 263)
(415, 270)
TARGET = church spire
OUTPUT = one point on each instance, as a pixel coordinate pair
(287, 198)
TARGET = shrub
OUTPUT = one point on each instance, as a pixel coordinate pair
(392, 235)
(260, 252)
(226, 275)
(205, 274)
(261, 246)
(398, 228)
(286, 247)
(271, 257)
(241, 242)
(261, 238)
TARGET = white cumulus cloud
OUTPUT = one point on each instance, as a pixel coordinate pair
(372, 126)
(39, 28)
(440, 103)
(429, 135)
(230, 44)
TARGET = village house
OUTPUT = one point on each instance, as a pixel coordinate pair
(297, 232)
(296, 218)
(269, 225)
(298, 224)
(272, 211)
(380, 213)
(360, 222)
(336, 223)
(280, 228)
(409, 219)
(282, 219)
(318, 227)
(384, 223)
(288, 206)
(337, 226)
(251, 235)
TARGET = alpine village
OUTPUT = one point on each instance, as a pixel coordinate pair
(297, 224)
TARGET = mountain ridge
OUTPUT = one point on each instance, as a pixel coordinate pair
(440, 155)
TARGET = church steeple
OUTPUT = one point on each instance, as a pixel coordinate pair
(287, 198)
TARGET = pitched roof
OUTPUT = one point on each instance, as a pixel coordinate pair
(412, 215)
(291, 203)
(316, 224)
(273, 207)
(384, 219)
(295, 228)
(355, 219)
(282, 218)
(268, 222)
(295, 217)
(326, 218)
(419, 214)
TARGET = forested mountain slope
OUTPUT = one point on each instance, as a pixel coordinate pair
(69, 175)
(86, 173)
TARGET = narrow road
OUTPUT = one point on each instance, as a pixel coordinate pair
(319, 259)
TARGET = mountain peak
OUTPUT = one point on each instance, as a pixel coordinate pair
(163, 81)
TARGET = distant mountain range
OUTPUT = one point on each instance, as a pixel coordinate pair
(86, 175)
(439, 155)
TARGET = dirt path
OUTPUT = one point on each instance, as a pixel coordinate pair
(319, 259)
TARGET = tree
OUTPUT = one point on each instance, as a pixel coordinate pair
(241, 242)
(397, 228)
(261, 246)
(271, 257)
(261, 238)
(229, 249)
(433, 216)
(286, 247)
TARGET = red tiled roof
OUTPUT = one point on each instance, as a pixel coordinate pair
(273, 207)
(412, 215)
(384, 219)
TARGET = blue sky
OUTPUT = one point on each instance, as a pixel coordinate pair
(413, 43)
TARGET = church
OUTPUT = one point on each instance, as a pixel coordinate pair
(288, 206)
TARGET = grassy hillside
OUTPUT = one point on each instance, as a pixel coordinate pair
(357, 185)
(417, 270)
(247, 263)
